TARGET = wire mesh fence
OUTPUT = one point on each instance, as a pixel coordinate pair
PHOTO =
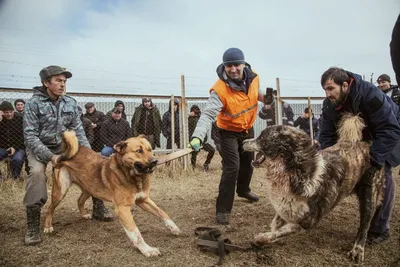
(110, 118)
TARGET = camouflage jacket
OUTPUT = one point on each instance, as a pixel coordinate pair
(45, 120)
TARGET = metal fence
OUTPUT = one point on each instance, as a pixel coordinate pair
(107, 131)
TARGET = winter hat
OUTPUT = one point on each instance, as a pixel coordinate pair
(383, 78)
(233, 56)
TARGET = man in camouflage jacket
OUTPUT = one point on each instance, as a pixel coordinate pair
(47, 115)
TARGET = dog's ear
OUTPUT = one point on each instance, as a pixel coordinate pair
(120, 147)
(142, 136)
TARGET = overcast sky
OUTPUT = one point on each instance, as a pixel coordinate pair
(143, 46)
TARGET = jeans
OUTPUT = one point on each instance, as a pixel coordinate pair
(381, 220)
(17, 161)
(107, 151)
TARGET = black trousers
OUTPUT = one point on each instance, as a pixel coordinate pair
(207, 147)
(237, 169)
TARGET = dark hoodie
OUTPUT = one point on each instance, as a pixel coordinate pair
(166, 121)
(123, 115)
(242, 85)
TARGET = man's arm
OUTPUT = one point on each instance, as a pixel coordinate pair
(327, 130)
(213, 107)
(31, 132)
(383, 124)
(395, 49)
(289, 113)
(297, 121)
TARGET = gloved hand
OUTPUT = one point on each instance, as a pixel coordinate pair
(195, 144)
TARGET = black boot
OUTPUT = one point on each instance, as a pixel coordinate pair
(100, 212)
(32, 236)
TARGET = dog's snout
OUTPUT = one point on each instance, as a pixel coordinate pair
(154, 162)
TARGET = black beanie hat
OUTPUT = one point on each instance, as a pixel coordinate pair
(233, 56)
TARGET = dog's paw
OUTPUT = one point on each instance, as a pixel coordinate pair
(172, 227)
(87, 216)
(149, 251)
(48, 230)
(357, 253)
(175, 231)
(264, 238)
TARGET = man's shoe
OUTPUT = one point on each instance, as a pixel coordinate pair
(100, 212)
(376, 238)
(206, 167)
(32, 236)
(249, 196)
(222, 218)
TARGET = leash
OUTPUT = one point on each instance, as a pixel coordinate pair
(210, 239)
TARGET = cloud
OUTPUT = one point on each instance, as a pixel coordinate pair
(142, 47)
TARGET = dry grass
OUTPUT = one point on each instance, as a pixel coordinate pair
(189, 198)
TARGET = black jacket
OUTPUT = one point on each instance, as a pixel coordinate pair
(380, 114)
(112, 132)
(12, 133)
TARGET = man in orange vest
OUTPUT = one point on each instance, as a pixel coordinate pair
(233, 102)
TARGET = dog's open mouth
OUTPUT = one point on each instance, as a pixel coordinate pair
(260, 158)
(144, 169)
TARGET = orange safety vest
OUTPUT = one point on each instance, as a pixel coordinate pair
(239, 110)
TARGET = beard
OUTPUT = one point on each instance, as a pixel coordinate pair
(341, 98)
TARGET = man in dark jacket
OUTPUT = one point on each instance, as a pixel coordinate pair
(87, 127)
(390, 90)
(147, 120)
(192, 122)
(113, 131)
(303, 122)
(268, 113)
(166, 125)
(121, 106)
(97, 118)
(48, 114)
(347, 92)
(12, 138)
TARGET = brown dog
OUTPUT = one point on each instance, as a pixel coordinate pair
(123, 179)
(305, 184)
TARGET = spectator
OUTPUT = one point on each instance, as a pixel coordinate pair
(19, 105)
(121, 106)
(87, 127)
(303, 122)
(268, 113)
(192, 122)
(12, 139)
(390, 90)
(147, 121)
(113, 131)
(97, 118)
(166, 124)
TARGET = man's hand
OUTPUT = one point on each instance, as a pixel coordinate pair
(55, 160)
(94, 125)
(195, 144)
(11, 151)
(267, 107)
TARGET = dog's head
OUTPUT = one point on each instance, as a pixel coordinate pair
(280, 141)
(136, 155)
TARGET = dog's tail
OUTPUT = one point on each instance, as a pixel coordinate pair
(350, 128)
(70, 146)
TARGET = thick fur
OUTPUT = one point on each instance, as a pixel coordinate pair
(305, 184)
(123, 179)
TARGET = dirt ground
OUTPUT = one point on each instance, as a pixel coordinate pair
(189, 198)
